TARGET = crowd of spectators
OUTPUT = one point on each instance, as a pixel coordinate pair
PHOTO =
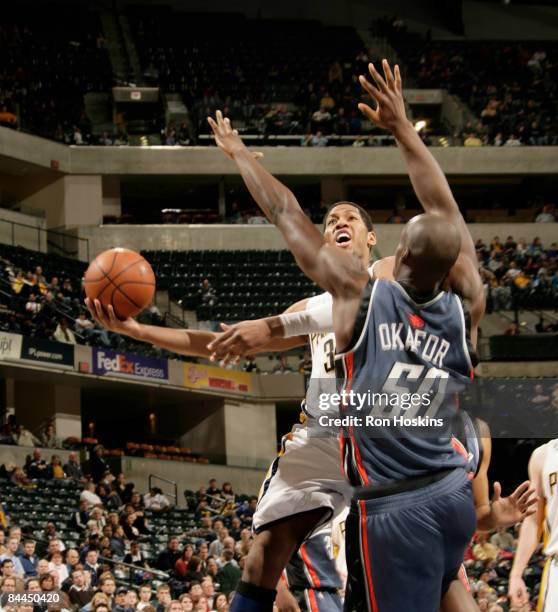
(518, 274)
(51, 57)
(512, 87)
(118, 550)
(52, 308)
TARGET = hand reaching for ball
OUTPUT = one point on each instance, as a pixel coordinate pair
(108, 320)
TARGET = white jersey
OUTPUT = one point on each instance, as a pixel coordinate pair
(550, 489)
(322, 347)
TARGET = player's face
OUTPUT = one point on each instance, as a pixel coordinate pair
(345, 228)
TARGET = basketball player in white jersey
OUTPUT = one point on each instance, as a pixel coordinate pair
(543, 473)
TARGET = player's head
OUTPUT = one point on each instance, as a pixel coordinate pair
(348, 226)
(427, 249)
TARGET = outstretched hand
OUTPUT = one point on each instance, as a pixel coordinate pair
(239, 340)
(387, 91)
(226, 138)
(109, 320)
(507, 511)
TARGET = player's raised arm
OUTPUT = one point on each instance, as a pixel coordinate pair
(429, 182)
(335, 271)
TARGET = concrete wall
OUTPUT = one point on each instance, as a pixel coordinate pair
(514, 22)
(242, 237)
(190, 475)
(297, 161)
(294, 161)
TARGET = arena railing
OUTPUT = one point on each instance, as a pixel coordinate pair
(153, 477)
(40, 239)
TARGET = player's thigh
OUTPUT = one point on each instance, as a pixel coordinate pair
(306, 476)
(401, 553)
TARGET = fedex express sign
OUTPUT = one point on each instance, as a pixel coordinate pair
(110, 363)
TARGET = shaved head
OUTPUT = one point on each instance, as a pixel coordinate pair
(428, 248)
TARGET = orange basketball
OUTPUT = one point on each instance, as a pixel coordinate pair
(121, 278)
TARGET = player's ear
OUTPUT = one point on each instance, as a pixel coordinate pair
(371, 240)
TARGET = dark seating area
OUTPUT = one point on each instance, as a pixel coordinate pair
(269, 76)
(51, 56)
(247, 284)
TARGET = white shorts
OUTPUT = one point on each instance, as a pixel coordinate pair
(306, 475)
(548, 597)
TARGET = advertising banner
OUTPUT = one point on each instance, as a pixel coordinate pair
(10, 346)
(198, 376)
(45, 351)
(111, 363)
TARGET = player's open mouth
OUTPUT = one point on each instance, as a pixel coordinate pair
(343, 239)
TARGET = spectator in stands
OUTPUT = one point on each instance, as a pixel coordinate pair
(250, 365)
(513, 141)
(547, 215)
(89, 496)
(91, 565)
(168, 558)
(319, 140)
(29, 559)
(163, 597)
(472, 140)
(88, 329)
(36, 467)
(208, 296)
(282, 367)
(72, 468)
(483, 550)
(56, 564)
(11, 555)
(33, 307)
(216, 547)
(48, 437)
(80, 593)
(23, 437)
(512, 330)
(97, 464)
(63, 333)
(229, 574)
(145, 594)
(155, 500)
(81, 517)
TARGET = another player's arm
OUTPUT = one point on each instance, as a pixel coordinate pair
(192, 343)
(530, 533)
(341, 274)
(500, 511)
(429, 182)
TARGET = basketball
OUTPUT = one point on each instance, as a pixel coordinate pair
(121, 278)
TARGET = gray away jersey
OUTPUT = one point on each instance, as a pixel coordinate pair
(405, 364)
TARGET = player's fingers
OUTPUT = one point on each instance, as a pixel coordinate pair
(90, 308)
(112, 316)
(367, 111)
(369, 88)
(524, 486)
(529, 501)
(218, 342)
(225, 345)
(219, 116)
(224, 326)
(99, 310)
(382, 86)
(388, 74)
(497, 492)
(398, 81)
